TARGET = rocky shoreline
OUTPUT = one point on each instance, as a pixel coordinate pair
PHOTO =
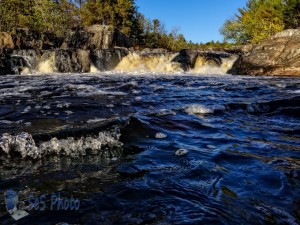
(278, 55)
(102, 48)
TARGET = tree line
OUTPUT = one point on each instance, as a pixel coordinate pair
(61, 16)
(260, 19)
(257, 20)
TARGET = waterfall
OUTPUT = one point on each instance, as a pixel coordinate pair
(20, 61)
(191, 61)
(118, 59)
(160, 63)
(213, 66)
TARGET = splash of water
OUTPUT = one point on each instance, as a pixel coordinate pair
(47, 65)
(24, 145)
(159, 63)
(210, 66)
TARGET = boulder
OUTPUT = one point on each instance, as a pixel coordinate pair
(188, 58)
(278, 55)
(64, 61)
(96, 37)
(107, 59)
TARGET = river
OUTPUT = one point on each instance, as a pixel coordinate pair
(112, 139)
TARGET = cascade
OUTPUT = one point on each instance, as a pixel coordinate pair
(160, 63)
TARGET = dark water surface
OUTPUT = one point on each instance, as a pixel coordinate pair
(110, 141)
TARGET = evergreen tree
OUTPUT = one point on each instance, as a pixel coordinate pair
(118, 13)
(292, 14)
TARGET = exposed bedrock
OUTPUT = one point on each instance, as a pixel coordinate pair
(278, 55)
(94, 48)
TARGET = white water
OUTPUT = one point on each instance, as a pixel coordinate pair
(24, 145)
(149, 63)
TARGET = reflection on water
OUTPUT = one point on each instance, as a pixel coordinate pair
(112, 141)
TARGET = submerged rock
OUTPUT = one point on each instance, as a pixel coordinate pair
(278, 55)
(160, 135)
(181, 152)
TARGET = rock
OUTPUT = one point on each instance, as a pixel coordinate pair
(83, 58)
(11, 63)
(107, 59)
(6, 41)
(30, 56)
(64, 61)
(28, 39)
(97, 47)
(188, 58)
(160, 135)
(181, 152)
(153, 51)
(278, 55)
(96, 37)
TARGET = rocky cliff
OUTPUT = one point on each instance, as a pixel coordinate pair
(84, 50)
(278, 55)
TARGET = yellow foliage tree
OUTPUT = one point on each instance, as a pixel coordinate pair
(260, 19)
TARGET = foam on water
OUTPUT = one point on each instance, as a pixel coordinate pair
(204, 66)
(157, 63)
(203, 109)
(24, 145)
(89, 90)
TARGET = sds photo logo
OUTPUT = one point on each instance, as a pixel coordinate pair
(11, 201)
(41, 202)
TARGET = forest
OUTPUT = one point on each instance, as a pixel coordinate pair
(258, 20)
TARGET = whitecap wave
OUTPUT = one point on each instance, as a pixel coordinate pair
(203, 109)
(24, 145)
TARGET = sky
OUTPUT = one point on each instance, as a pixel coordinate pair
(198, 20)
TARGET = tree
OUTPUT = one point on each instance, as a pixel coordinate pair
(118, 13)
(233, 30)
(258, 20)
(291, 14)
(36, 15)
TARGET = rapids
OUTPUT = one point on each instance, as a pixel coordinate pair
(152, 148)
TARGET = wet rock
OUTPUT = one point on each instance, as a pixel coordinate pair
(160, 135)
(181, 152)
(64, 61)
(12, 64)
(278, 55)
(107, 59)
(94, 46)
(188, 58)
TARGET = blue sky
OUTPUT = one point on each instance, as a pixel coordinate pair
(198, 20)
